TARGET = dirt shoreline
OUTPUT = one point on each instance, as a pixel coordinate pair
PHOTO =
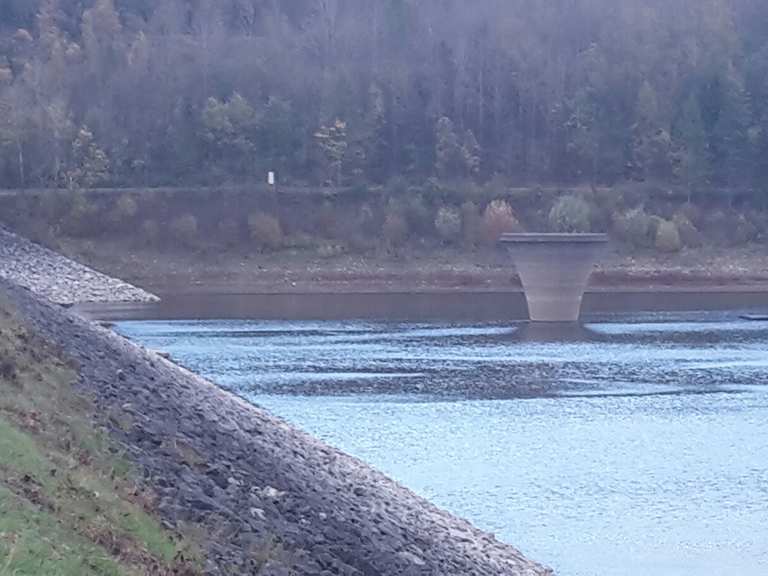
(242, 272)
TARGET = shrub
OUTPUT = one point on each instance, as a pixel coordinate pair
(328, 250)
(418, 215)
(693, 213)
(124, 209)
(635, 228)
(471, 224)
(448, 223)
(759, 220)
(689, 234)
(498, 219)
(728, 228)
(365, 217)
(150, 232)
(742, 231)
(184, 230)
(570, 214)
(82, 217)
(228, 231)
(325, 220)
(265, 230)
(122, 216)
(395, 227)
(667, 237)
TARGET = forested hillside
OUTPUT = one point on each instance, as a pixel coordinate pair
(340, 92)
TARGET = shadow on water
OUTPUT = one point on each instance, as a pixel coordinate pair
(414, 306)
(555, 332)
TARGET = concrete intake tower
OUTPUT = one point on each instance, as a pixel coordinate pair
(554, 270)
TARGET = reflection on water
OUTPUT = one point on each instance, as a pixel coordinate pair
(621, 448)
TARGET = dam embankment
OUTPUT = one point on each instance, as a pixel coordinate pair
(58, 278)
(269, 498)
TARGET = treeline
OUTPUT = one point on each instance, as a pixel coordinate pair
(345, 92)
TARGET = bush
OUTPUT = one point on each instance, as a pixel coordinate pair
(693, 213)
(743, 231)
(471, 224)
(668, 237)
(328, 250)
(759, 220)
(395, 227)
(150, 232)
(184, 230)
(448, 223)
(82, 217)
(570, 214)
(498, 219)
(728, 228)
(265, 230)
(689, 234)
(325, 220)
(365, 217)
(418, 215)
(124, 209)
(635, 227)
(228, 231)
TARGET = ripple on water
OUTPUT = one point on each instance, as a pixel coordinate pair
(643, 452)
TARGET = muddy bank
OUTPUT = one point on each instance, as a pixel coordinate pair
(240, 271)
(264, 493)
(58, 278)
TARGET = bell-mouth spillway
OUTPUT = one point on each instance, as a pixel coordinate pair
(554, 270)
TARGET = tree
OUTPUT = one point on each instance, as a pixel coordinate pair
(471, 155)
(695, 156)
(652, 144)
(600, 100)
(229, 129)
(448, 149)
(731, 143)
(88, 164)
(12, 134)
(332, 142)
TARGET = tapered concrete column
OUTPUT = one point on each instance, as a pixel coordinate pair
(554, 270)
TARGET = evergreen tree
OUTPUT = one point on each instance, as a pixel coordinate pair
(652, 143)
(694, 143)
(731, 142)
(448, 151)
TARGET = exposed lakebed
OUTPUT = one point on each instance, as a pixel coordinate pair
(635, 445)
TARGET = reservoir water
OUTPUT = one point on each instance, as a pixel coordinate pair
(633, 446)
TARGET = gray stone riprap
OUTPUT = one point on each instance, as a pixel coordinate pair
(59, 278)
(249, 479)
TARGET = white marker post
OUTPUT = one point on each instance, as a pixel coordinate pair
(271, 178)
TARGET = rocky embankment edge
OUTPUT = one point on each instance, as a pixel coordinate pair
(269, 499)
(58, 278)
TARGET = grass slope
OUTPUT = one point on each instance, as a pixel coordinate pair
(68, 506)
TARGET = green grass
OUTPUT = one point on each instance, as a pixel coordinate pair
(68, 505)
(34, 543)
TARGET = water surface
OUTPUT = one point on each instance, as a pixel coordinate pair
(636, 445)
